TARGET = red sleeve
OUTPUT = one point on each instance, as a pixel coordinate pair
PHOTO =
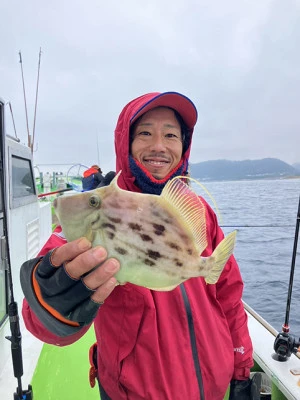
(57, 239)
(229, 294)
(38, 330)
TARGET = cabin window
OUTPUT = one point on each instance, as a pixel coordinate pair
(22, 179)
(23, 185)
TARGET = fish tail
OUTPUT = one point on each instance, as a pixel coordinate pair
(220, 257)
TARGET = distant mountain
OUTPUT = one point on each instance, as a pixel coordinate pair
(219, 170)
(296, 166)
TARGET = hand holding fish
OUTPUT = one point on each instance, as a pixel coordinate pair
(70, 282)
(83, 260)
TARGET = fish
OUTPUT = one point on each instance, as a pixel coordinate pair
(158, 239)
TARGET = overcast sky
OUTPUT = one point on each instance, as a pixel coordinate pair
(238, 60)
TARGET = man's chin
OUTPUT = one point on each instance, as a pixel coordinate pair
(159, 176)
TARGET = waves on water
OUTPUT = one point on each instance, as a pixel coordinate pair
(264, 213)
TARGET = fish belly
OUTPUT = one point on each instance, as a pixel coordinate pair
(151, 278)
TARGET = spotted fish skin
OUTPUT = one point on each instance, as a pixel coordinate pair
(157, 239)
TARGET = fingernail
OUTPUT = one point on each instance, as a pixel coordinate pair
(100, 252)
(112, 282)
(112, 266)
(84, 244)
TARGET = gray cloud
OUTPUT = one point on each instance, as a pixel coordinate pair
(238, 61)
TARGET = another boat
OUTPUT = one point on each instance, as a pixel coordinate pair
(57, 373)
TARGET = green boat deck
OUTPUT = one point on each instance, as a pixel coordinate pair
(63, 373)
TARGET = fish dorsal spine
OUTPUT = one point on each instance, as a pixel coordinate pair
(189, 205)
(114, 182)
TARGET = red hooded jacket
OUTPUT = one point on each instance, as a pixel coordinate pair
(144, 341)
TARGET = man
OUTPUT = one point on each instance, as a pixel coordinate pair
(189, 343)
(92, 178)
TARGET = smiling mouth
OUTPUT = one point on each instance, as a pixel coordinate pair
(156, 163)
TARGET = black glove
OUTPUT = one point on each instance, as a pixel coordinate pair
(240, 390)
(248, 389)
(69, 297)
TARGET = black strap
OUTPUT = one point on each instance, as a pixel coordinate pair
(193, 340)
(103, 394)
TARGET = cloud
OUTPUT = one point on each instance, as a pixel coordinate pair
(238, 61)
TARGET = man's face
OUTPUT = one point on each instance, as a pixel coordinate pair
(157, 142)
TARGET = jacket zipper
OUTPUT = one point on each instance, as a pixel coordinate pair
(193, 340)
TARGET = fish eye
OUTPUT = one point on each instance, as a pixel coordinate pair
(94, 201)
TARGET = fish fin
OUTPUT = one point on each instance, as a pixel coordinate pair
(221, 255)
(114, 182)
(189, 205)
(205, 190)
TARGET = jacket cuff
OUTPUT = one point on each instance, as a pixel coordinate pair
(241, 374)
(47, 319)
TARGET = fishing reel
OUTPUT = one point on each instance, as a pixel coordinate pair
(25, 395)
(285, 345)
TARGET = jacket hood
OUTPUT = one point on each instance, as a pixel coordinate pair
(133, 110)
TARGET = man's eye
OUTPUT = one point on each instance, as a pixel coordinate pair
(171, 135)
(144, 133)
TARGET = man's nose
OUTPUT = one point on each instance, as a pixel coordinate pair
(158, 143)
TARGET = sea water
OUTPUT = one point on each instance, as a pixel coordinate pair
(264, 212)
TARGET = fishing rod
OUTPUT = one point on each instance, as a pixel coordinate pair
(55, 192)
(286, 344)
(36, 98)
(12, 310)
